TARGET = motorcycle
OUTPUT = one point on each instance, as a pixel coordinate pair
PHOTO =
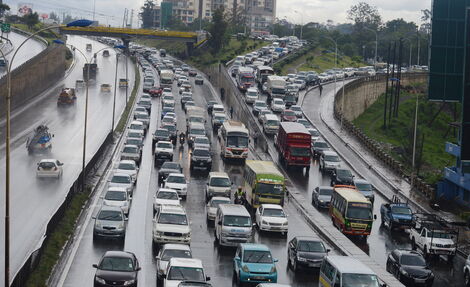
(181, 139)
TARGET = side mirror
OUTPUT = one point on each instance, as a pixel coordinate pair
(163, 276)
(276, 260)
(95, 265)
(101, 197)
(157, 257)
(237, 258)
(208, 278)
(328, 250)
(138, 268)
(375, 216)
(93, 217)
(219, 223)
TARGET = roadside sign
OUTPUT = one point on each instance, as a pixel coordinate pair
(5, 27)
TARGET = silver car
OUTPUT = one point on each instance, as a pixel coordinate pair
(169, 251)
(117, 196)
(122, 180)
(128, 167)
(131, 152)
(109, 223)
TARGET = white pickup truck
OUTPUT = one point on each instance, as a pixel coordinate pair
(433, 237)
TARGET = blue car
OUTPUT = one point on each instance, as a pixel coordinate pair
(254, 263)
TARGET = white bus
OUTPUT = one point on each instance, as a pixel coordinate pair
(234, 139)
(166, 78)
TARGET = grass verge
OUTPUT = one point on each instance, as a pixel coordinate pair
(433, 132)
(49, 35)
(122, 121)
(56, 240)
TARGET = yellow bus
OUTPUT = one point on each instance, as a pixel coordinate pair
(264, 183)
(351, 211)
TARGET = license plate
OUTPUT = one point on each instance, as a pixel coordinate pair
(420, 280)
(312, 265)
(201, 163)
(258, 278)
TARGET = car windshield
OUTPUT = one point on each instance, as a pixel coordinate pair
(314, 133)
(261, 105)
(126, 166)
(311, 246)
(134, 141)
(167, 120)
(401, 210)
(47, 164)
(359, 211)
(216, 203)
(176, 179)
(171, 165)
(201, 153)
(272, 123)
(201, 140)
(142, 116)
(186, 273)
(363, 280)
(439, 234)
(252, 94)
(289, 113)
(119, 264)
(164, 145)
(177, 253)
(162, 133)
(111, 215)
(300, 151)
(130, 149)
(332, 158)
(219, 118)
(220, 182)
(343, 173)
(121, 179)
(167, 195)
(412, 260)
(170, 128)
(320, 145)
(234, 220)
(278, 102)
(278, 90)
(363, 186)
(268, 188)
(197, 131)
(172, 218)
(237, 141)
(115, 195)
(273, 212)
(255, 256)
(326, 191)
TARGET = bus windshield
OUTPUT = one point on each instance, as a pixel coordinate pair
(364, 280)
(237, 141)
(359, 211)
(267, 188)
(300, 151)
(246, 79)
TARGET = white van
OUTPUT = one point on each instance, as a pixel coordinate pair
(344, 271)
(251, 95)
(271, 124)
(232, 225)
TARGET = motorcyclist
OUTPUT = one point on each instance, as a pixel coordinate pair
(240, 196)
(182, 137)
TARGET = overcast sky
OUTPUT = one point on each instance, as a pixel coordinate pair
(111, 11)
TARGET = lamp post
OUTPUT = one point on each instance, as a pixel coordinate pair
(115, 85)
(301, 22)
(376, 43)
(411, 51)
(78, 23)
(336, 64)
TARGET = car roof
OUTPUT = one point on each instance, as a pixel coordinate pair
(127, 161)
(185, 262)
(272, 206)
(218, 174)
(330, 152)
(176, 174)
(110, 208)
(220, 114)
(360, 180)
(47, 160)
(307, 238)
(166, 142)
(117, 188)
(175, 209)
(271, 117)
(221, 198)
(166, 190)
(408, 252)
(120, 174)
(131, 145)
(347, 264)
(255, 247)
(124, 254)
(196, 125)
(174, 246)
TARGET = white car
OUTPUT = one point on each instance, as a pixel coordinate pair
(278, 105)
(218, 184)
(169, 251)
(165, 196)
(171, 225)
(122, 180)
(117, 196)
(202, 142)
(271, 217)
(128, 167)
(251, 95)
(177, 181)
(184, 269)
(213, 204)
(49, 168)
(315, 134)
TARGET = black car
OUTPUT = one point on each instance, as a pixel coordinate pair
(321, 196)
(201, 158)
(172, 129)
(342, 176)
(160, 135)
(199, 80)
(117, 268)
(305, 251)
(409, 267)
(210, 105)
(192, 73)
(167, 168)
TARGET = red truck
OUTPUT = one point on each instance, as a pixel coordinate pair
(293, 142)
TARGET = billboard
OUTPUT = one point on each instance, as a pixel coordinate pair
(25, 9)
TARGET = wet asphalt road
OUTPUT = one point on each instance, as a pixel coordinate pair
(29, 50)
(217, 262)
(33, 201)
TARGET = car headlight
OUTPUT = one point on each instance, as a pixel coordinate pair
(285, 223)
(264, 222)
(321, 201)
(403, 271)
(301, 259)
(209, 160)
(245, 268)
(97, 225)
(158, 233)
(184, 188)
(129, 282)
(120, 226)
(273, 269)
(100, 280)
(225, 234)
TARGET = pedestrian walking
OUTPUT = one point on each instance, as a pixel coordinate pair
(320, 88)
(231, 112)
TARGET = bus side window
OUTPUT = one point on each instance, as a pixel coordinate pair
(329, 271)
(337, 280)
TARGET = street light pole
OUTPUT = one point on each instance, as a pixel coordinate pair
(301, 22)
(115, 89)
(376, 43)
(336, 65)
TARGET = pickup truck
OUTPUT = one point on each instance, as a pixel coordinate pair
(433, 236)
(396, 215)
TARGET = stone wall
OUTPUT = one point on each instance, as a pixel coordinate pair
(362, 93)
(34, 76)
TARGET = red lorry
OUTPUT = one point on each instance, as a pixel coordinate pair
(293, 142)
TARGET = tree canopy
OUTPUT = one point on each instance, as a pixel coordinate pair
(147, 14)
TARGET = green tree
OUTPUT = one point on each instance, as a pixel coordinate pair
(218, 30)
(365, 15)
(67, 19)
(31, 19)
(3, 8)
(53, 16)
(147, 14)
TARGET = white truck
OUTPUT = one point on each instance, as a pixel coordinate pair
(433, 236)
(166, 78)
(276, 87)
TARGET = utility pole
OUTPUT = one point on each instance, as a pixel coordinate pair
(386, 87)
(132, 17)
(94, 7)
(124, 19)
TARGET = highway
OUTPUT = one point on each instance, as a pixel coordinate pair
(217, 262)
(33, 201)
(29, 50)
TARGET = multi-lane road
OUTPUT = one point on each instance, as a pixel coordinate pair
(34, 201)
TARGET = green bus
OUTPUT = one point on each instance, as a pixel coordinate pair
(264, 183)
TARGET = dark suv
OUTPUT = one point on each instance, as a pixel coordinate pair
(409, 267)
(167, 168)
(201, 158)
(305, 251)
(342, 176)
(160, 135)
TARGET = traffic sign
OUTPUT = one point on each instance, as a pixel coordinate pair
(5, 27)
